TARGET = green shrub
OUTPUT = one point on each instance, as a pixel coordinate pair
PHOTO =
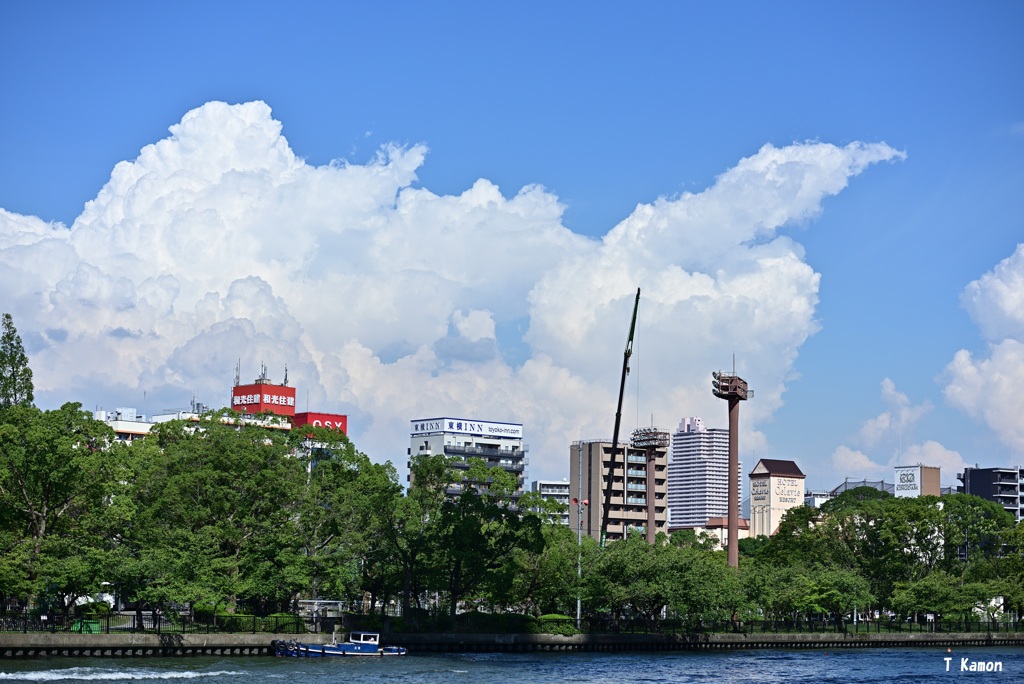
(562, 625)
(282, 623)
(92, 610)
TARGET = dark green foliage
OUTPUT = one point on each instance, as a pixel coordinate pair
(237, 523)
(57, 480)
(15, 375)
(561, 625)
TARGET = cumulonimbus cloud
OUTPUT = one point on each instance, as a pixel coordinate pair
(390, 302)
(986, 387)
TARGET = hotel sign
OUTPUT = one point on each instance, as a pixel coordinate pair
(759, 490)
(479, 428)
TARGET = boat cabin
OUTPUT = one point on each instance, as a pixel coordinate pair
(364, 638)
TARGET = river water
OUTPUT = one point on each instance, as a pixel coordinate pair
(872, 666)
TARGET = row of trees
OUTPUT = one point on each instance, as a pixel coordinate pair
(233, 516)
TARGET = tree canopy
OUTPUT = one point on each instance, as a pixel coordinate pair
(222, 514)
(15, 374)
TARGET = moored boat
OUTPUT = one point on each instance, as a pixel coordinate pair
(358, 644)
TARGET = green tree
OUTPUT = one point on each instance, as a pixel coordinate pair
(220, 513)
(541, 579)
(937, 593)
(703, 585)
(704, 541)
(342, 518)
(631, 578)
(410, 524)
(56, 479)
(15, 374)
(479, 530)
(973, 534)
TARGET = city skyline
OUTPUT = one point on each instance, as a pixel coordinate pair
(447, 211)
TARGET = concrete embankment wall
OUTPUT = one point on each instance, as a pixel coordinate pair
(417, 643)
(136, 645)
(141, 645)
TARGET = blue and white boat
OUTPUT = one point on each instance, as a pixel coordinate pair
(358, 644)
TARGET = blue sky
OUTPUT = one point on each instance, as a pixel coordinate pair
(606, 107)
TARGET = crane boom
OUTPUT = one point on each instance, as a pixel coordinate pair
(618, 421)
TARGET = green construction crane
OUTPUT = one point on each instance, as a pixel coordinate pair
(618, 420)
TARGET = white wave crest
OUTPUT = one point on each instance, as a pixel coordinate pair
(102, 675)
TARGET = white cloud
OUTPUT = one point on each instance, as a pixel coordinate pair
(932, 453)
(892, 429)
(901, 417)
(389, 302)
(987, 388)
(857, 465)
(996, 300)
(474, 326)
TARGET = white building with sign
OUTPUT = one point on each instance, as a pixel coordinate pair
(917, 480)
(775, 487)
(497, 444)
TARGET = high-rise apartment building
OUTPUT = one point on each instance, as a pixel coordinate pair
(639, 488)
(1005, 486)
(698, 474)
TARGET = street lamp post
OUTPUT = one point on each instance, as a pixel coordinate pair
(580, 505)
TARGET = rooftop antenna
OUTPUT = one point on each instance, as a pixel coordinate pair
(238, 373)
(285, 383)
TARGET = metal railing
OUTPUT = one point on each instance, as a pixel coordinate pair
(122, 623)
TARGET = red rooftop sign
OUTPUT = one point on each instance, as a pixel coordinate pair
(333, 421)
(263, 398)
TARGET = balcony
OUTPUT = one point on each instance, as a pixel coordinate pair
(479, 451)
(509, 464)
(636, 473)
(636, 501)
(632, 458)
(636, 487)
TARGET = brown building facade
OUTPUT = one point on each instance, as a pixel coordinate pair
(639, 489)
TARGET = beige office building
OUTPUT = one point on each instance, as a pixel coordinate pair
(775, 487)
(639, 489)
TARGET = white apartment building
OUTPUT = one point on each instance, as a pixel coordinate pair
(497, 444)
(698, 474)
(557, 490)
